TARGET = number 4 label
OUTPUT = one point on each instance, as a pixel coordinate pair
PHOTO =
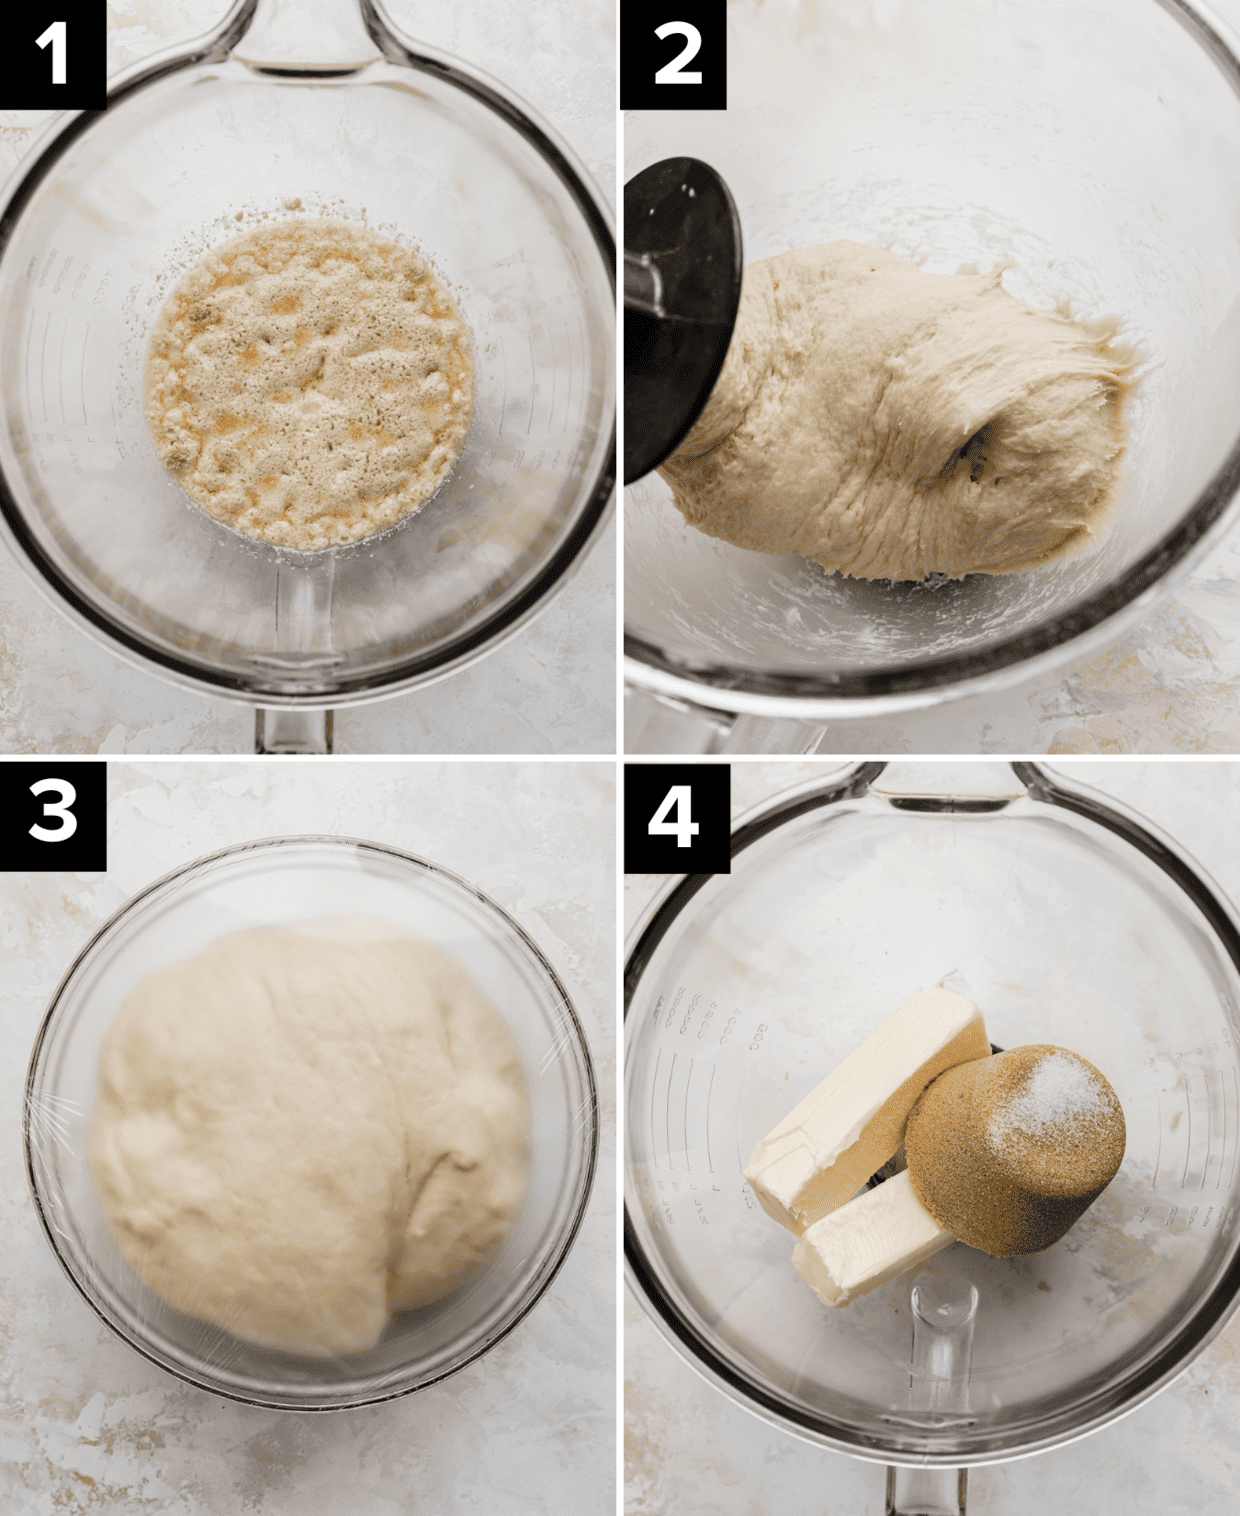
(680, 799)
(677, 818)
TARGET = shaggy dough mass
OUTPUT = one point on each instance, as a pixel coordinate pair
(891, 424)
(309, 383)
(295, 1136)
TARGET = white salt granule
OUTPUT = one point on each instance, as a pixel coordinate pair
(1059, 1091)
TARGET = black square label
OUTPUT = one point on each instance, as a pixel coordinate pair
(56, 56)
(55, 816)
(673, 55)
(677, 818)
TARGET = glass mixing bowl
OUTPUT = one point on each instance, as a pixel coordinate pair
(1069, 920)
(305, 104)
(292, 879)
(1090, 143)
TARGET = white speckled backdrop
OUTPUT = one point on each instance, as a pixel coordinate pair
(691, 1450)
(86, 1425)
(552, 688)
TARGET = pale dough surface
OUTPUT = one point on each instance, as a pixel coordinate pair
(892, 424)
(309, 383)
(296, 1137)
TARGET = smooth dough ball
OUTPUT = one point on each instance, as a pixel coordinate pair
(1008, 1152)
(296, 1137)
(893, 424)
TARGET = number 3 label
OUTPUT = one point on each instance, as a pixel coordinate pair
(673, 72)
(684, 828)
(57, 808)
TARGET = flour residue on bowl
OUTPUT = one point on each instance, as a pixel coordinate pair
(309, 383)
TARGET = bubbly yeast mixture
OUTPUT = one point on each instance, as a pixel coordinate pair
(309, 383)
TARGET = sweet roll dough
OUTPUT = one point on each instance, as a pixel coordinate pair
(893, 424)
(296, 1136)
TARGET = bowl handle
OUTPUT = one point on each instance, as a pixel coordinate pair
(662, 724)
(926, 1492)
(282, 730)
(311, 33)
(944, 1316)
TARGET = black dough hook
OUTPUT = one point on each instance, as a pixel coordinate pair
(682, 286)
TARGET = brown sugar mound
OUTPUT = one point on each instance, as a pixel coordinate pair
(309, 383)
(1008, 1152)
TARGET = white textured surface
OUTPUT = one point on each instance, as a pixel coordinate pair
(86, 1425)
(552, 688)
(690, 1449)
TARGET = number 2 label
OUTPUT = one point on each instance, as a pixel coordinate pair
(684, 828)
(673, 72)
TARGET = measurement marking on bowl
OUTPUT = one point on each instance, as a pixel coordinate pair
(710, 1162)
(1234, 1146)
(554, 367)
(572, 368)
(654, 1084)
(82, 373)
(503, 404)
(1189, 1106)
(47, 321)
(667, 1136)
(60, 371)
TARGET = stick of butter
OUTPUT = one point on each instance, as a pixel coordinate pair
(874, 1238)
(822, 1152)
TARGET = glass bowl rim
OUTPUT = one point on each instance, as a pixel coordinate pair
(597, 496)
(1073, 632)
(854, 781)
(590, 1131)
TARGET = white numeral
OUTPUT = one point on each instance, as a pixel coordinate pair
(59, 808)
(684, 827)
(671, 73)
(55, 34)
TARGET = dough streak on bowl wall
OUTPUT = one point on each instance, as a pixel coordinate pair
(309, 383)
(301, 1131)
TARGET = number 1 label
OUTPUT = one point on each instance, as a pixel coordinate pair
(55, 37)
(43, 72)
